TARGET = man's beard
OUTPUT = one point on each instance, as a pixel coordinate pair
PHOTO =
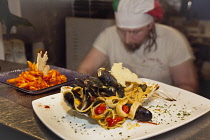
(131, 47)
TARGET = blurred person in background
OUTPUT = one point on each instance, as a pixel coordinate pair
(149, 49)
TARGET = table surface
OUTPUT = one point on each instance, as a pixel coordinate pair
(18, 117)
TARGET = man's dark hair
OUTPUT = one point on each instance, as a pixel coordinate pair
(151, 41)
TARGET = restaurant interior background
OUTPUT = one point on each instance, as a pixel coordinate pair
(192, 17)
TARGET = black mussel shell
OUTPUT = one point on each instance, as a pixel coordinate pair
(76, 91)
(143, 114)
(69, 99)
(107, 91)
(79, 82)
(86, 99)
(120, 91)
(106, 78)
(109, 80)
(93, 82)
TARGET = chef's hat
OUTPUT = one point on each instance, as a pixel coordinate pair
(136, 13)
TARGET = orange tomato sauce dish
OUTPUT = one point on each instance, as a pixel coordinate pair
(39, 76)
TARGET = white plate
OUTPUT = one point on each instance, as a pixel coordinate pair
(67, 124)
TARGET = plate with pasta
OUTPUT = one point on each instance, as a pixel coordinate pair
(39, 77)
(178, 108)
(69, 74)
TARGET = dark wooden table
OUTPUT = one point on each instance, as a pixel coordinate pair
(18, 120)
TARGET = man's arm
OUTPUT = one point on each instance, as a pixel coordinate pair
(94, 60)
(185, 76)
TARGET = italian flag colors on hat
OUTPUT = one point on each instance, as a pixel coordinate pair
(136, 13)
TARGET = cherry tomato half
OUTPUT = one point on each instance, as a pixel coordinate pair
(112, 122)
(126, 109)
(100, 109)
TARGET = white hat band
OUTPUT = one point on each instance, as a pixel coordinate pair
(126, 20)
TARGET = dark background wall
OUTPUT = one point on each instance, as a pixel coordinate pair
(201, 9)
(48, 18)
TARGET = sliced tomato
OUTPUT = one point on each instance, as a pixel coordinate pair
(112, 122)
(117, 119)
(125, 108)
(100, 109)
(108, 119)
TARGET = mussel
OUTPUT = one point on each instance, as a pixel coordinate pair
(109, 80)
(106, 78)
(79, 99)
(143, 114)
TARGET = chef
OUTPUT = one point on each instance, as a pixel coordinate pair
(149, 49)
